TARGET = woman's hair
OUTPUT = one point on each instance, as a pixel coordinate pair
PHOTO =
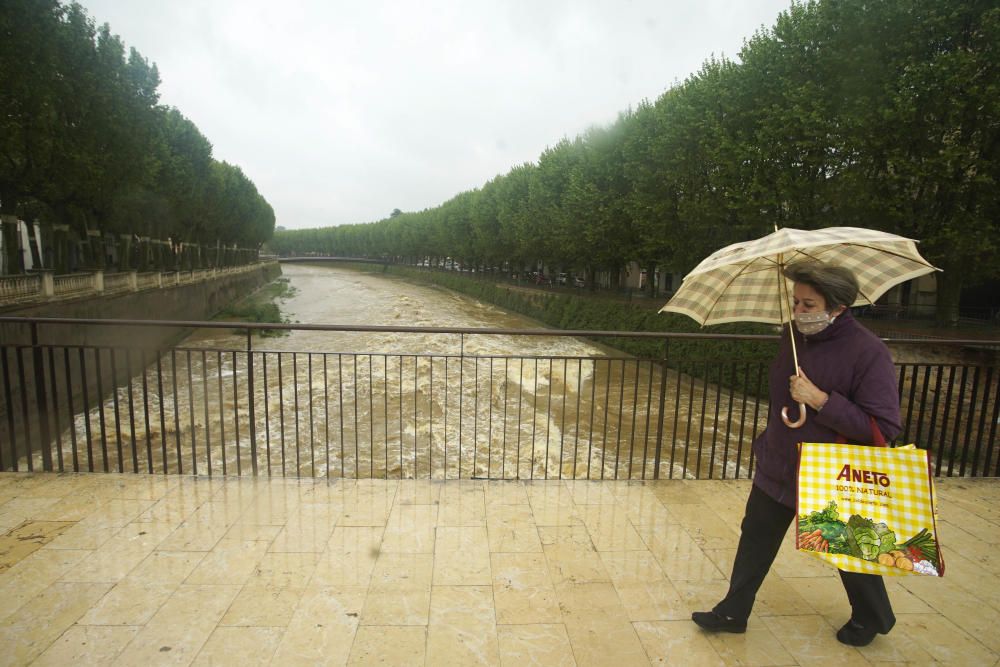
(835, 284)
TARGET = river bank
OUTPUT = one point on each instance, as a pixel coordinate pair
(580, 309)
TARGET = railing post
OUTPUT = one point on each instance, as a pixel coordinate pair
(98, 281)
(40, 399)
(133, 280)
(48, 283)
(250, 394)
(659, 418)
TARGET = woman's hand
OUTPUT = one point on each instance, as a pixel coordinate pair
(804, 391)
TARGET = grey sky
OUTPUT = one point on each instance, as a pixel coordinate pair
(342, 111)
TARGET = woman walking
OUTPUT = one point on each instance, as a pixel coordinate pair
(847, 379)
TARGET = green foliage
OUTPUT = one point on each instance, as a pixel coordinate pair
(845, 112)
(261, 307)
(85, 142)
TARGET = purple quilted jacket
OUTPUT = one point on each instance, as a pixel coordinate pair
(854, 367)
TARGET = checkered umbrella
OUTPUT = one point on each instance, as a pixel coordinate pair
(743, 282)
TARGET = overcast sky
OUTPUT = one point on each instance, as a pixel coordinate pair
(342, 111)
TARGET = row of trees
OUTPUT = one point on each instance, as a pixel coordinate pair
(881, 114)
(86, 148)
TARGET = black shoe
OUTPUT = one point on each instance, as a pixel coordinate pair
(715, 622)
(855, 634)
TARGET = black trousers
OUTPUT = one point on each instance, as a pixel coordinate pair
(764, 526)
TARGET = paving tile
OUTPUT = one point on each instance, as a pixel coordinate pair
(945, 639)
(587, 492)
(231, 562)
(757, 647)
(535, 645)
(303, 535)
(462, 557)
(265, 606)
(33, 574)
(323, 627)
(367, 507)
(239, 646)
(419, 492)
(120, 554)
(30, 536)
(679, 643)
(511, 492)
(522, 589)
(284, 569)
(349, 558)
(389, 645)
(193, 536)
(706, 528)
(177, 632)
(410, 529)
(166, 567)
(810, 639)
(551, 503)
(462, 628)
(641, 505)
(598, 626)
(293, 582)
(462, 507)
(87, 645)
(610, 528)
(511, 528)
(75, 507)
(129, 602)
(41, 620)
(570, 555)
(400, 591)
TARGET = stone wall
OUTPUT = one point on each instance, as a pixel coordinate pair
(187, 301)
(22, 421)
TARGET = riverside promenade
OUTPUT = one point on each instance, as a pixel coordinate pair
(109, 569)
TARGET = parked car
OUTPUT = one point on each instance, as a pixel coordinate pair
(579, 282)
(563, 278)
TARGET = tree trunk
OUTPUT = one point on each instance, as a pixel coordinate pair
(651, 279)
(949, 289)
(13, 261)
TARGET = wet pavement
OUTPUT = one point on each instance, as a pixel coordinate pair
(138, 569)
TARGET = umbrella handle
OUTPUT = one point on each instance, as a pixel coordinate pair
(794, 424)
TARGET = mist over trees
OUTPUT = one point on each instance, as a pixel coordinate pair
(110, 174)
(881, 114)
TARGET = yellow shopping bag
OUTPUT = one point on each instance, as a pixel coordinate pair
(868, 509)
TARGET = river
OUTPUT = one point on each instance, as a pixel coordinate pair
(377, 404)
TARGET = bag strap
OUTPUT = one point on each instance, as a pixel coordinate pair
(877, 438)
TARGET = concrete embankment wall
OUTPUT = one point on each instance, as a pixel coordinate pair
(188, 301)
(82, 357)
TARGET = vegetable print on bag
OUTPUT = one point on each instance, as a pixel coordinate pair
(868, 509)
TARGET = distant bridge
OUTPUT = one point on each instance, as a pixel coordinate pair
(329, 259)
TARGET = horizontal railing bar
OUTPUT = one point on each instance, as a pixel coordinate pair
(424, 355)
(264, 326)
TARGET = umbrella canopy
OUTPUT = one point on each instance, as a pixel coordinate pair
(743, 282)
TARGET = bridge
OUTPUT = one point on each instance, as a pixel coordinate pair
(310, 258)
(244, 492)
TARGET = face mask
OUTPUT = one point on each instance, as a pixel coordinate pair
(812, 323)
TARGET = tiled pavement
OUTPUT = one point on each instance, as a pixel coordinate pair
(136, 570)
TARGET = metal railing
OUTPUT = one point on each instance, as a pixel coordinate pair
(243, 409)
